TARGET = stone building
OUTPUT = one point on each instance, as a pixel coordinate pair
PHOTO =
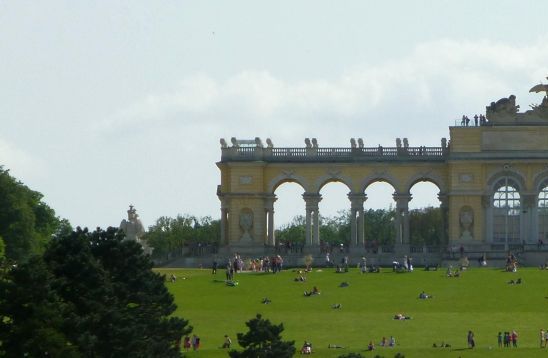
(492, 176)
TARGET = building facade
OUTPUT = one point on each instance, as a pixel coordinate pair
(492, 176)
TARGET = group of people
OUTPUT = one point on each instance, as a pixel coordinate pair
(193, 343)
(510, 339)
(405, 266)
(478, 120)
(391, 342)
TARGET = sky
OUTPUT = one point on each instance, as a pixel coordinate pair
(109, 103)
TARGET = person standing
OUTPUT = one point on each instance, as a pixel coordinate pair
(227, 342)
(514, 339)
(542, 338)
(499, 339)
(470, 339)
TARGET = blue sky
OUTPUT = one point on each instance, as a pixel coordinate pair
(110, 103)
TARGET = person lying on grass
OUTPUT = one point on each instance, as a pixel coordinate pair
(401, 317)
(314, 291)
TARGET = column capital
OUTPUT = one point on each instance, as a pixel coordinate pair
(357, 200)
(444, 200)
(269, 201)
(312, 200)
(402, 200)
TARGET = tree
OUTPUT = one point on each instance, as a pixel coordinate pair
(425, 226)
(26, 222)
(111, 302)
(2, 248)
(263, 341)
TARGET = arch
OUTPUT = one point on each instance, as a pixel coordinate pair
(540, 181)
(332, 178)
(507, 173)
(286, 178)
(433, 178)
(383, 177)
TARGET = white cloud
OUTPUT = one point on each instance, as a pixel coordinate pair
(442, 74)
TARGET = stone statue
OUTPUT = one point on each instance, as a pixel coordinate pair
(444, 143)
(269, 143)
(314, 143)
(398, 143)
(234, 142)
(307, 143)
(223, 143)
(466, 221)
(504, 108)
(360, 142)
(133, 229)
(353, 143)
(246, 223)
(405, 143)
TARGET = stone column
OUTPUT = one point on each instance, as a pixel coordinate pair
(356, 226)
(308, 228)
(486, 203)
(224, 226)
(402, 216)
(269, 211)
(529, 204)
(312, 218)
(444, 207)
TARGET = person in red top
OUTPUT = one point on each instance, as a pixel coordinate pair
(514, 338)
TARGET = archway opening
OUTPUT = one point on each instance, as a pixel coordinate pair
(334, 220)
(379, 217)
(289, 226)
(426, 224)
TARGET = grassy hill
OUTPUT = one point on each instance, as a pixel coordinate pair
(480, 300)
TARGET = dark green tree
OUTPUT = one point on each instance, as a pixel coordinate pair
(26, 222)
(263, 341)
(32, 314)
(111, 301)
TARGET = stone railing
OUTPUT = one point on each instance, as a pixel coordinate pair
(316, 154)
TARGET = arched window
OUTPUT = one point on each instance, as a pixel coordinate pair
(543, 212)
(506, 211)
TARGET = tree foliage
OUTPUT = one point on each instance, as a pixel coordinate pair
(263, 341)
(425, 227)
(171, 235)
(26, 222)
(90, 294)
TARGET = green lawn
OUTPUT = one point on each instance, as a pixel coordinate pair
(480, 300)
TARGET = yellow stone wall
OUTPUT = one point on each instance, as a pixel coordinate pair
(477, 154)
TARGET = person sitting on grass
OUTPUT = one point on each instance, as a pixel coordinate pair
(370, 346)
(344, 284)
(232, 283)
(423, 295)
(266, 301)
(336, 306)
(384, 342)
(300, 278)
(392, 341)
(307, 348)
